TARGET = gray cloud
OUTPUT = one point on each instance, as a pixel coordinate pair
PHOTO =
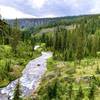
(62, 8)
(54, 7)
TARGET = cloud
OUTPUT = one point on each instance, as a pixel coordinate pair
(36, 3)
(52, 8)
(96, 8)
(11, 13)
(65, 7)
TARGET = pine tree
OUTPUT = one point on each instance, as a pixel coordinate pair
(16, 35)
(80, 94)
(70, 91)
(91, 94)
(17, 92)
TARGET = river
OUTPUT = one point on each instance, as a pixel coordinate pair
(30, 79)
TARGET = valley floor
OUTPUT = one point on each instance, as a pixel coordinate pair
(71, 74)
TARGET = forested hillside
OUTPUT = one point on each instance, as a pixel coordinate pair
(74, 71)
(16, 49)
(48, 22)
(81, 41)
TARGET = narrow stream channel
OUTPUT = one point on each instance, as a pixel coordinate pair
(30, 78)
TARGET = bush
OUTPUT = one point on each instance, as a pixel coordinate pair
(23, 49)
(5, 51)
(97, 70)
(5, 66)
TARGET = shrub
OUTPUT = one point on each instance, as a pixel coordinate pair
(97, 70)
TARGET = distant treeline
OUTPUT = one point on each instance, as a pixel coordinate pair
(49, 22)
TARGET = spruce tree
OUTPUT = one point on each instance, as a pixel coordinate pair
(15, 36)
(17, 92)
(70, 91)
(80, 94)
(91, 94)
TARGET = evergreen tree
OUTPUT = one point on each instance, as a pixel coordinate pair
(80, 94)
(16, 36)
(70, 91)
(17, 92)
(91, 94)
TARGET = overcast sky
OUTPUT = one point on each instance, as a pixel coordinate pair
(47, 8)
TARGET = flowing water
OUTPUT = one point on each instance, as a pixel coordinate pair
(30, 78)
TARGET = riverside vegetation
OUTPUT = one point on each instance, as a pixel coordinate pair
(15, 52)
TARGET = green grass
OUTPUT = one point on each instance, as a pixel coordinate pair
(51, 64)
(18, 63)
(65, 72)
